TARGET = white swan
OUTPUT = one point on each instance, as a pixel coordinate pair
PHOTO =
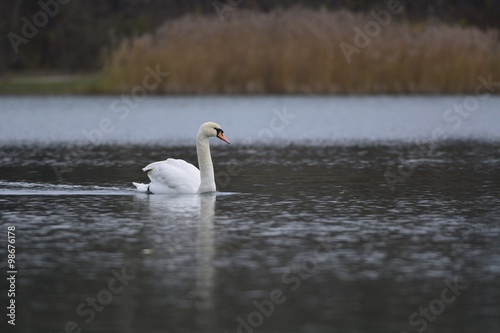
(179, 176)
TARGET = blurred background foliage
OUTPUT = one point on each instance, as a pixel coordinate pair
(84, 31)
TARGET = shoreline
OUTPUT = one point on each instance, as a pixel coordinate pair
(93, 84)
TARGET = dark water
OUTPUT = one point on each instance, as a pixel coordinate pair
(359, 237)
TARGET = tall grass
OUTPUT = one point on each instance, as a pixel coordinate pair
(298, 51)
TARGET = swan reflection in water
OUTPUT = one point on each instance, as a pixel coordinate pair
(196, 203)
(181, 215)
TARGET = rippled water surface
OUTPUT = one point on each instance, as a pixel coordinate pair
(381, 228)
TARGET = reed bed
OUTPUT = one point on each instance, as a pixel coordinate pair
(298, 51)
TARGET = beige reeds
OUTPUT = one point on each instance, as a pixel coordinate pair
(298, 51)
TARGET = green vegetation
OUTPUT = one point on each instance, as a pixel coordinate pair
(50, 84)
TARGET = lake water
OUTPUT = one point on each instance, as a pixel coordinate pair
(334, 214)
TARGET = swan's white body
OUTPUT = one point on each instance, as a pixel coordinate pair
(179, 176)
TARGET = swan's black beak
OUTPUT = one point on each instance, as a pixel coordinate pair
(221, 136)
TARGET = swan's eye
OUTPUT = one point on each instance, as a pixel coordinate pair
(218, 130)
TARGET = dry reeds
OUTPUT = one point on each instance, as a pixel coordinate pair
(299, 51)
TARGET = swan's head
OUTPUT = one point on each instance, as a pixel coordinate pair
(212, 129)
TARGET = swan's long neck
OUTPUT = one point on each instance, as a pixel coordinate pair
(205, 163)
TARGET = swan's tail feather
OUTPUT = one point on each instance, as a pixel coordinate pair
(141, 187)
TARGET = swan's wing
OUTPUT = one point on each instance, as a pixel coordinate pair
(173, 176)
